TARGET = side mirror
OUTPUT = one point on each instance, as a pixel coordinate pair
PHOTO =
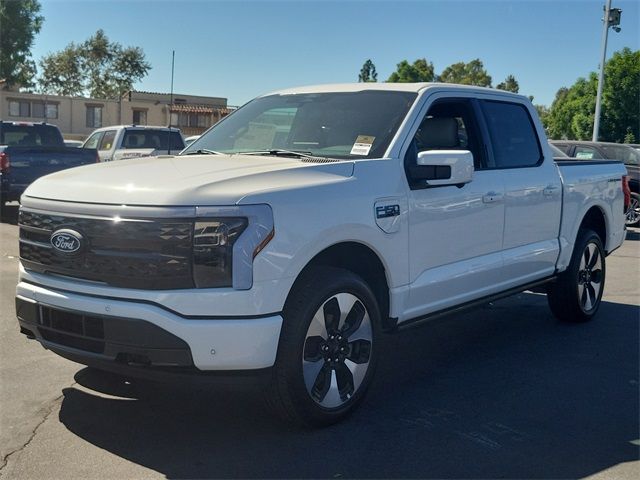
(444, 167)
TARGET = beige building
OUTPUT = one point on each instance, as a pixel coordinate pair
(77, 117)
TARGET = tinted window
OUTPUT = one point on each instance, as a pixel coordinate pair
(562, 146)
(628, 155)
(513, 136)
(557, 152)
(30, 135)
(156, 139)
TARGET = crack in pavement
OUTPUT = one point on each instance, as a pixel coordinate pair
(5, 460)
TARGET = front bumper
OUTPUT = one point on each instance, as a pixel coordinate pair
(102, 331)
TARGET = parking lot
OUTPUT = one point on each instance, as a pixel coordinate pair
(504, 391)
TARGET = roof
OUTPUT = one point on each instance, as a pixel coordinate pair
(187, 108)
(398, 87)
(138, 127)
(589, 142)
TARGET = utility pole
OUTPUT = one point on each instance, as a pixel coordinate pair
(611, 19)
(173, 60)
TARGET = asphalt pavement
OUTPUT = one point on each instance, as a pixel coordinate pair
(504, 391)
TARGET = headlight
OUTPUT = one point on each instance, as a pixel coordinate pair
(225, 242)
(213, 251)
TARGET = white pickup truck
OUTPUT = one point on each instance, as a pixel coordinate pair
(121, 142)
(284, 242)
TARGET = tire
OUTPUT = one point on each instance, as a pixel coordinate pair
(325, 362)
(576, 295)
(3, 206)
(632, 215)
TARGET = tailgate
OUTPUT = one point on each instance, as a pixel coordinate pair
(31, 163)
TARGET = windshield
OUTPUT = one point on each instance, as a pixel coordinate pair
(624, 153)
(156, 139)
(347, 125)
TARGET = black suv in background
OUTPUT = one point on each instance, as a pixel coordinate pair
(610, 151)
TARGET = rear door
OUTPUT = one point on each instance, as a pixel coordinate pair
(533, 192)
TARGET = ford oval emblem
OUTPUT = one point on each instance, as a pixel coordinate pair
(66, 240)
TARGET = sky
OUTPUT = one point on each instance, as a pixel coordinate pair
(241, 49)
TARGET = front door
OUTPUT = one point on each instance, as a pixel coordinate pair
(455, 232)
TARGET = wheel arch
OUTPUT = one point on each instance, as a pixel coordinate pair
(596, 220)
(360, 259)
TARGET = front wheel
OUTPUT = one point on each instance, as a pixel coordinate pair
(576, 295)
(328, 348)
(632, 217)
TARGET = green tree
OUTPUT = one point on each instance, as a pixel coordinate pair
(472, 73)
(368, 72)
(97, 68)
(621, 96)
(510, 84)
(543, 113)
(629, 136)
(418, 71)
(572, 112)
(62, 73)
(20, 21)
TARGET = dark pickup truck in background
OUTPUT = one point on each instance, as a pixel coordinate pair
(29, 151)
(625, 153)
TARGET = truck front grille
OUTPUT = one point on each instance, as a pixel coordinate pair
(130, 253)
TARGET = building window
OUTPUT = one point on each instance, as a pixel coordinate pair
(184, 119)
(51, 110)
(94, 116)
(139, 117)
(19, 109)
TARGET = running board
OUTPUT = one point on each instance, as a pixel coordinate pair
(415, 322)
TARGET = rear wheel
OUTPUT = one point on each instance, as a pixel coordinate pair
(3, 207)
(328, 348)
(576, 295)
(632, 217)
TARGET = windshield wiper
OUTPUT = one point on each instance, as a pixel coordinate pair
(282, 153)
(204, 151)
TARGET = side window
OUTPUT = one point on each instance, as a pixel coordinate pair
(513, 135)
(448, 125)
(586, 153)
(107, 140)
(93, 140)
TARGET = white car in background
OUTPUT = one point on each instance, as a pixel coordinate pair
(189, 140)
(72, 143)
(121, 142)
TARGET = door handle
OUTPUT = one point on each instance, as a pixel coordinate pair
(550, 190)
(492, 197)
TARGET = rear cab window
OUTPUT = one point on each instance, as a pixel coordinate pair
(586, 153)
(155, 139)
(16, 135)
(513, 136)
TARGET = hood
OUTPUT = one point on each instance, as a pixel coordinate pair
(184, 181)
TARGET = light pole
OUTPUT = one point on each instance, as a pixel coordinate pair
(611, 19)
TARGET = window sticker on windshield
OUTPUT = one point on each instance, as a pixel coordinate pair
(362, 145)
(584, 155)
